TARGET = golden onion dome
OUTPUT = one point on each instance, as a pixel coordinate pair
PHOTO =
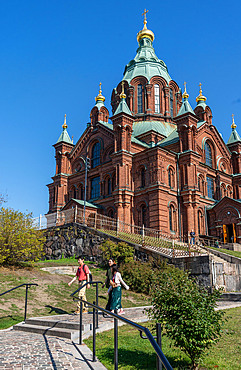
(65, 124)
(100, 97)
(233, 126)
(145, 32)
(200, 97)
(185, 95)
(122, 94)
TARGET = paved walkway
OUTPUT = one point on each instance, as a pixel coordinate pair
(29, 351)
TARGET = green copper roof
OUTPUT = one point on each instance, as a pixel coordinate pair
(202, 104)
(65, 137)
(234, 137)
(185, 108)
(163, 128)
(133, 139)
(88, 204)
(123, 108)
(146, 63)
(171, 139)
(99, 104)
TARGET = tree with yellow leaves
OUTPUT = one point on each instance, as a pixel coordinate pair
(20, 241)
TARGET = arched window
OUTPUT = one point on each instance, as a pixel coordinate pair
(108, 186)
(113, 182)
(208, 155)
(157, 98)
(143, 178)
(96, 155)
(139, 99)
(171, 103)
(210, 187)
(171, 178)
(143, 216)
(111, 213)
(95, 187)
(172, 218)
(199, 222)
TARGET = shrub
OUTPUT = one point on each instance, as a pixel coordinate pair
(186, 312)
(121, 252)
(19, 240)
(138, 275)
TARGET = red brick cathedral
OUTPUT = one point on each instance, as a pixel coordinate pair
(157, 161)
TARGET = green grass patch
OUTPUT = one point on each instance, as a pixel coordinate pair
(227, 251)
(136, 353)
(7, 320)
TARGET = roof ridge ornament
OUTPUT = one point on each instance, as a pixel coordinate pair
(185, 95)
(122, 95)
(145, 32)
(65, 124)
(100, 97)
(233, 126)
(200, 97)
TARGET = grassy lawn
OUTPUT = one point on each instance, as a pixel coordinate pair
(136, 353)
(231, 253)
(52, 295)
(149, 240)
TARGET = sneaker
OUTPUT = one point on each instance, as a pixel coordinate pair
(77, 312)
(121, 312)
(85, 311)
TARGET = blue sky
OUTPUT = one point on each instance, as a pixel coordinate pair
(54, 54)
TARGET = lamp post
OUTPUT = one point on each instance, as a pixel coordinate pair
(86, 161)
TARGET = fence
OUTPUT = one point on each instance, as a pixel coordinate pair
(150, 239)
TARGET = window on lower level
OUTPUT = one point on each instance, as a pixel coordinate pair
(95, 187)
(210, 187)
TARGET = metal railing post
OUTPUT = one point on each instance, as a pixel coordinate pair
(80, 322)
(97, 304)
(94, 334)
(159, 342)
(26, 303)
(116, 342)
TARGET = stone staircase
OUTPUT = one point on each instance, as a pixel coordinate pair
(67, 326)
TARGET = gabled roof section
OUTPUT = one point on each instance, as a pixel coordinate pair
(234, 137)
(185, 108)
(171, 139)
(162, 128)
(81, 203)
(123, 108)
(64, 137)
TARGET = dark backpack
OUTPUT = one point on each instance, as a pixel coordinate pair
(90, 275)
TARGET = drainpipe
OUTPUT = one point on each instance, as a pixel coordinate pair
(179, 199)
(206, 221)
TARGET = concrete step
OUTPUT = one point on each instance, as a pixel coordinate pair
(55, 324)
(54, 331)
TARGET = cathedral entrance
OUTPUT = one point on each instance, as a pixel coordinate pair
(229, 233)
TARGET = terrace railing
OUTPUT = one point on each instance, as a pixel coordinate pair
(148, 238)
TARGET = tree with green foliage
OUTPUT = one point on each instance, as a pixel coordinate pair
(186, 312)
(19, 239)
(120, 252)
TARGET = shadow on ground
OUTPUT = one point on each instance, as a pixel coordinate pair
(57, 310)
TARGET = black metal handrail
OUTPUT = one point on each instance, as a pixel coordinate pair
(155, 344)
(95, 283)
(26, 295)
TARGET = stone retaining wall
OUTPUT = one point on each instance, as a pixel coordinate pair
(73, 239)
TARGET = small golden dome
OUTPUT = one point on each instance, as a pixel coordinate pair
(65, 124)
(185, 95)
(100, 97)
(200, 97)
(145, 32)
(233, 123)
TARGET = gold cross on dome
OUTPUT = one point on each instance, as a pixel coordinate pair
(123, 89)
(100, 91)
(145, 12)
